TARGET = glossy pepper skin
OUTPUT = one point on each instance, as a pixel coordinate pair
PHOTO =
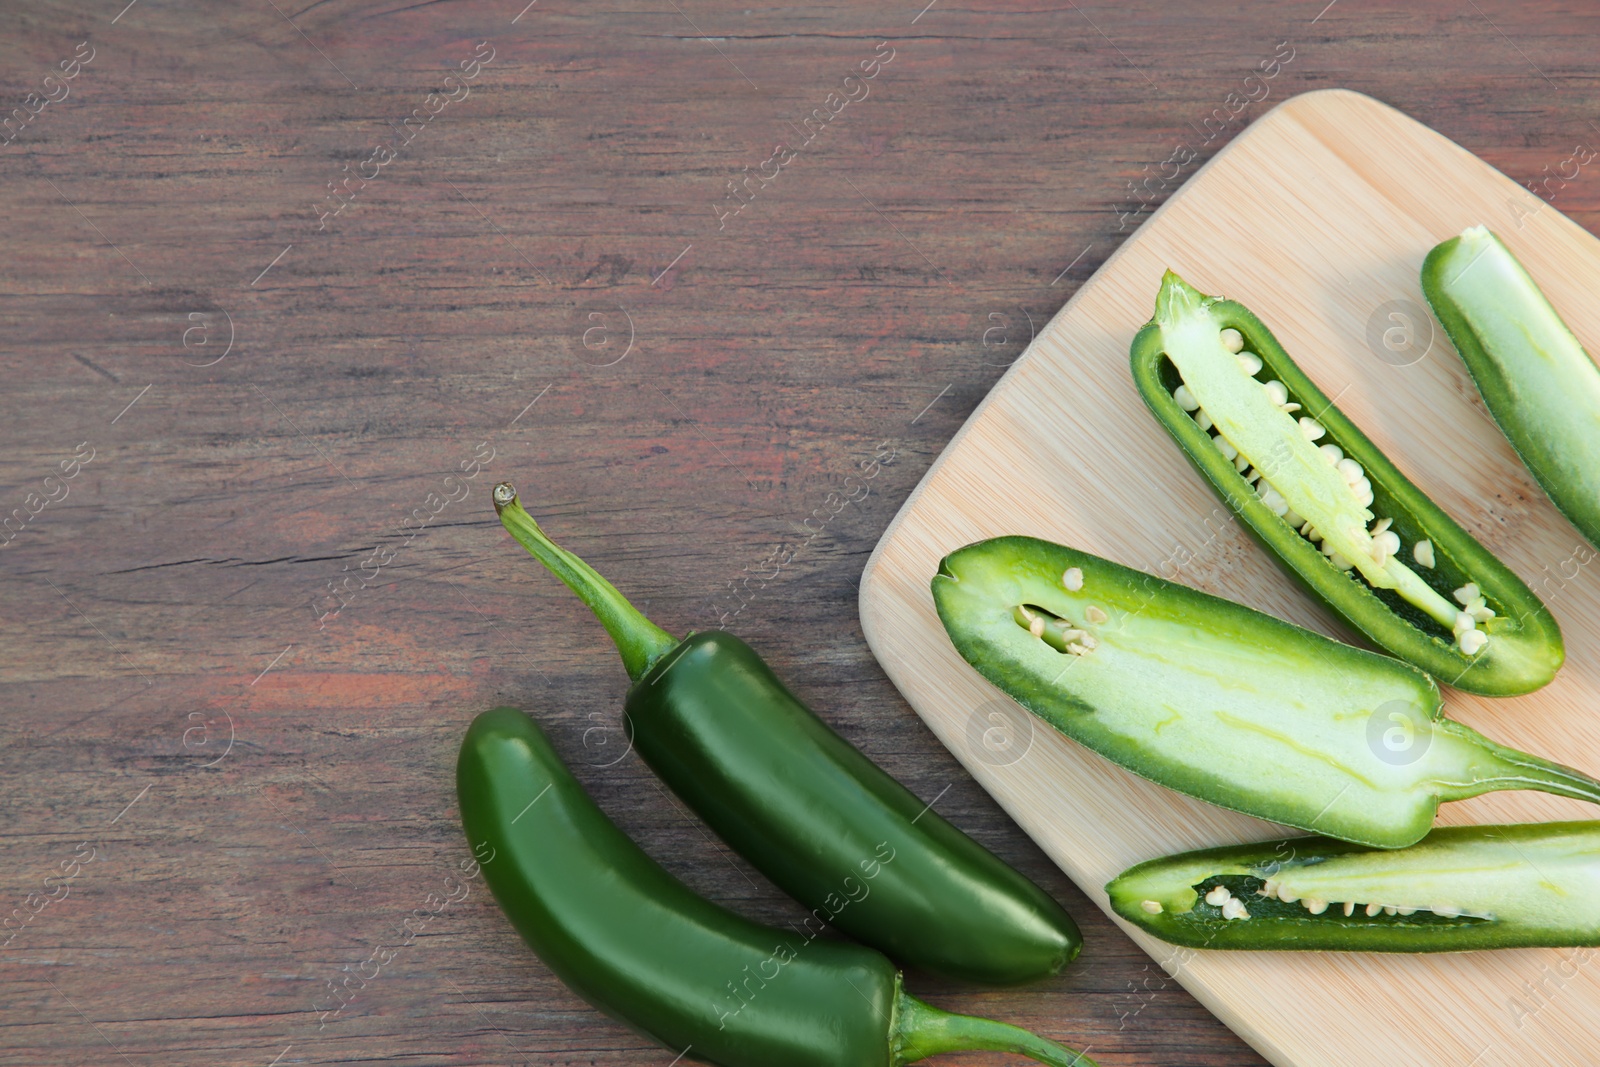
(1219, 701)
(1403, 606)
(1535, 377)
(636, 943)
(806, 808)
(1461, 887)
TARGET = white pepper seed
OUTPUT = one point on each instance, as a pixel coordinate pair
(1277, 391)
(1472, 641)
(1231, 339)
(1250, 362)
(1218, 896)
(1351, 470)
(1095, 615)
(1072, 578)
(1185, 399)
(1202, 420)
(1422, 552)
(1153, 907)
(1311, 429)
(1332, 453)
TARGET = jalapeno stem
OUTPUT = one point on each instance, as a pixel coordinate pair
(640, 641)
(921, 1030)
(1511, 769)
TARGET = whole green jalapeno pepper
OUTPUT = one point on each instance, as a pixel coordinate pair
(1461, 887)
(1533, 374)
(804, 806)
(1332, 508)
(639, 945)
(1219, 701)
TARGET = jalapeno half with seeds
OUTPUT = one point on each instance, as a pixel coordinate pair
(1219, 701)
(1330, 506)
(1535, 378)
(1461, 887)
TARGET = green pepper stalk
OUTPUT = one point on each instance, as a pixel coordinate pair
(1219, 701)
(1535, 377)
(1330, 506)
(639, 945)
(1459, 888)
(805, 807)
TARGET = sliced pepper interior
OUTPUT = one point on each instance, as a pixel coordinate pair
(1300, 470)
(1462, 887)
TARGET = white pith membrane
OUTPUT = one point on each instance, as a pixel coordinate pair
(1368, 553)
(1232, 907)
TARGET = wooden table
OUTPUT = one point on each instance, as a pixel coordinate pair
(242, 639)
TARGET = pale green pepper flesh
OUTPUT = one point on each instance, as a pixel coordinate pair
(1221, 702)
(1535, 377)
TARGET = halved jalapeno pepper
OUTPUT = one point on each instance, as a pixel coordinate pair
(1330, 506)
(1461, 887)
(1535, 378)
(1219, 701)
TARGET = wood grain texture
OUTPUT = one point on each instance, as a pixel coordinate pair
(1316, 219)
(873, 293)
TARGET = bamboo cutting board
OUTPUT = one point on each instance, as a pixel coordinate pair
(1317, 218)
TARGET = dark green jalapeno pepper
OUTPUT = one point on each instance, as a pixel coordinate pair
(1461, 887)
(636, 943)
(1219, 701)
(1535, 378)
(805, 807)
(1330, 506)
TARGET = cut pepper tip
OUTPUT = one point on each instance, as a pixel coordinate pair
(505, 494)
